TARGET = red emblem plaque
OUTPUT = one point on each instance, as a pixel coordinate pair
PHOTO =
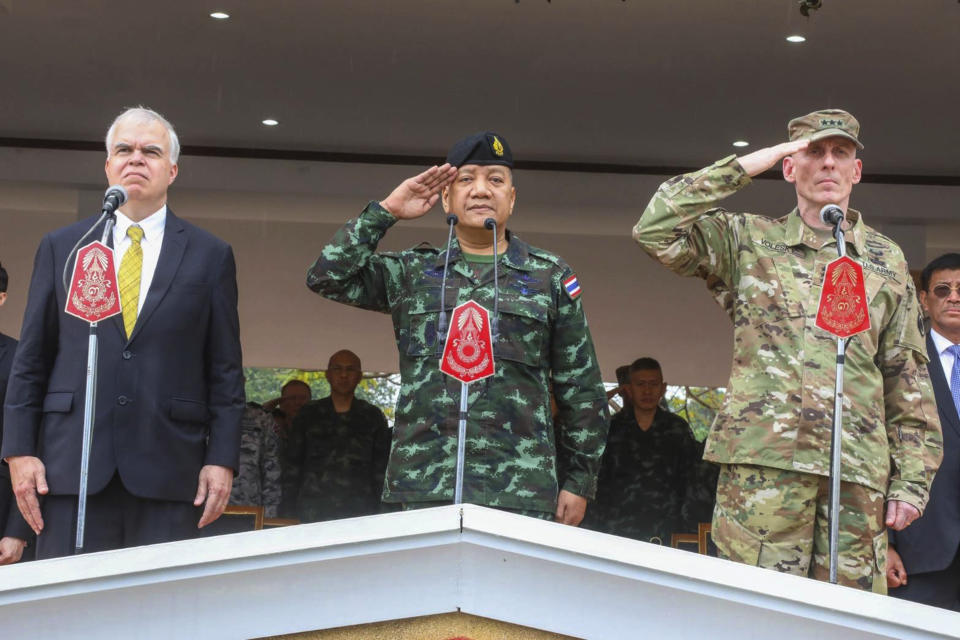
(93, 294)
(468, 352)
(843, 300)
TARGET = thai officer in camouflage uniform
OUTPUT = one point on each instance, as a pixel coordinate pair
(336, 453)
(543, 334)
(648, 465)
(773, 433)
(258, 474)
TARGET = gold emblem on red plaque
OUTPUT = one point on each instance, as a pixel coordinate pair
(843, 307)
(93, 293)
(468, 351)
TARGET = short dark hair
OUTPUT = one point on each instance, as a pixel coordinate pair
(623, 374)
(4, 279)
(946, 261)
(295, 381)
(645, 364)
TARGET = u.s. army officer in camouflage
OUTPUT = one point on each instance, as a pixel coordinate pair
(510, 450)
(773, 434)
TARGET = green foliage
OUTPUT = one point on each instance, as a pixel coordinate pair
(379, 389)
(696, 405)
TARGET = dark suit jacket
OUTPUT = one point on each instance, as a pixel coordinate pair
(930, 543)
(169, 400)
(11, 522)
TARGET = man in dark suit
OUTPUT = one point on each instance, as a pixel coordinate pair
(170, 385)
(924, 560)
(13, 529)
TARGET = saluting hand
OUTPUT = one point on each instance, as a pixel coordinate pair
(762, 159)
(416, 196)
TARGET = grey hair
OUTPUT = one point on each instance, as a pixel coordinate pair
(144, 115)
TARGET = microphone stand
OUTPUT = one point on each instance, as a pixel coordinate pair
(442, 321)
(90, 399)
(836, 440)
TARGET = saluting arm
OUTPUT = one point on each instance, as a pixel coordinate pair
(349, 269)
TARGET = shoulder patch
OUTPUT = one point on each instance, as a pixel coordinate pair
(572, 286)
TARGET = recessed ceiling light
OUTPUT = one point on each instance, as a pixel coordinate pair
(219, 15)
(270, 122)
(741, 143)
(796, 39)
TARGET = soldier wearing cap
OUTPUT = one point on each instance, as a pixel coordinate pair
(772, 436)
(511, 450)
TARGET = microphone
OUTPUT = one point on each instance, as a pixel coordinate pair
(113, 199)
(832, 215)
(442, 322)
(490, 223)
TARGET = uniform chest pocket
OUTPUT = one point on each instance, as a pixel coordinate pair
(763, 299)
(419, 337)
(524, 331)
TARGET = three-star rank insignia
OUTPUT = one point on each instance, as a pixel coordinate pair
(497, 147)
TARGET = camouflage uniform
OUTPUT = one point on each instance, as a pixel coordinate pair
(701, 491)
(778, 408)
(510, 449)
(258, 475)
(643, 478)
(334, 462)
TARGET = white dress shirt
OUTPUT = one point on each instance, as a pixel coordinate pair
(946, 358)
(152, 226)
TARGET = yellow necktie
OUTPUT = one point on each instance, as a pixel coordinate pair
(129, 278)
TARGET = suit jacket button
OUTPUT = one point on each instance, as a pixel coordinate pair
(127, 355)
(122, 400)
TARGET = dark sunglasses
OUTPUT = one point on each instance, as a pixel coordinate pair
(943, 291)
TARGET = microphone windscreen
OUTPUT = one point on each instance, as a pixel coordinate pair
(831, 214)
(118, 192)
(490, 223)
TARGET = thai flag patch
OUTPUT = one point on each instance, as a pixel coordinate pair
(572, 287)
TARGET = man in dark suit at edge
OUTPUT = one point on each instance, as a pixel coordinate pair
(924, 560)
(14, 532)
(170, 384)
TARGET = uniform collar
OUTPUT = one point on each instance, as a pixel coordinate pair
(515, 256)
(798, 232)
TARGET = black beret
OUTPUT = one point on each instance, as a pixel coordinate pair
(481, 148)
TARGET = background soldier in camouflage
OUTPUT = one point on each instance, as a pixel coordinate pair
(510, 449)
(258, 474)
(773, 433)
(337, 451)
(649, 465)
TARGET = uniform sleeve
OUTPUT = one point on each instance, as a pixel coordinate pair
(270, 468)
(912, 421)
(34, 358)
(293, 454)
(578, 389)
(224, 364)
(681, 229)
(350, 271)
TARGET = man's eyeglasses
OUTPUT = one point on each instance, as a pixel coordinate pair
(943, 291)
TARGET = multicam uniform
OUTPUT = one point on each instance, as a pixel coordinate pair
(778, 410)
(258, 476)
(334, 462)
(510, 449)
